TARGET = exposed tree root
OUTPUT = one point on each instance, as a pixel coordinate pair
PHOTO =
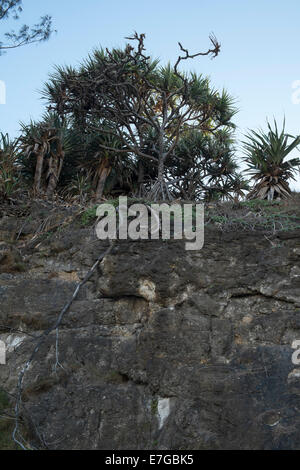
(160, 192)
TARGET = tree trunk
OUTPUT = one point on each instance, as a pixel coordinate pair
(55, 171)
(104, 173)
(51, 185)
(160, 190)
(38, 171)
(141, 177)
(161, 168)
(53, 179)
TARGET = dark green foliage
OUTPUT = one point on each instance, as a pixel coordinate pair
(209, 166)
(133, 113)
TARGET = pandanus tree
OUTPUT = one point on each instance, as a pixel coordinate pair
(147, 169)
(129, 90)
(106, 164)
(266, 156)
(209, 166)
(47, 143)
(35, 144)
(8, 165)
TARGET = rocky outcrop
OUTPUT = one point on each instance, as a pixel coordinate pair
(163, 348)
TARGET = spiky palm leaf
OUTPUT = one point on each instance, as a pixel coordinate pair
(266, 154)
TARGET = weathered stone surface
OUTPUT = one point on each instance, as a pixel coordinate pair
(163, 348)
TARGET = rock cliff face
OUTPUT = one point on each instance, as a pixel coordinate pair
(163, 348)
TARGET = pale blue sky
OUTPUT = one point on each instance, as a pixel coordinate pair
(258, 63)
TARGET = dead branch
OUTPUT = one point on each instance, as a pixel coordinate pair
(213, 51)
